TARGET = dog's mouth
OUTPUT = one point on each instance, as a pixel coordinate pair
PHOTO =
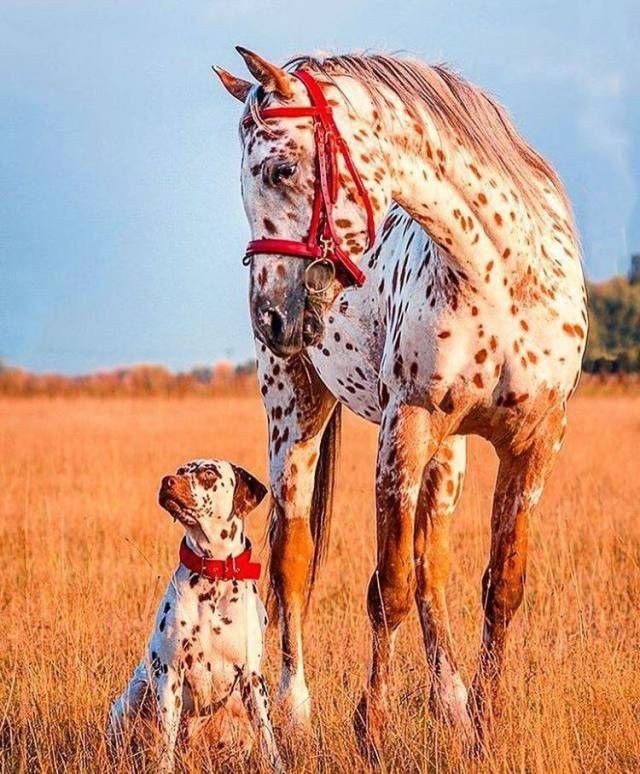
(177, 510)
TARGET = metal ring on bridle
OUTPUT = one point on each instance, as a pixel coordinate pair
(332, 275)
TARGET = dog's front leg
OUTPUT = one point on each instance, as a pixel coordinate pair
(169, 700)
(125, 709)
(255, 696)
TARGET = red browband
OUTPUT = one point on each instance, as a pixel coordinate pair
(234, 568)
(322, 240)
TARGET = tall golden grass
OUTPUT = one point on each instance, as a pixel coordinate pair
(85, 553)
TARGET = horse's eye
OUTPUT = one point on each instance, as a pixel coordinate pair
(276, 172)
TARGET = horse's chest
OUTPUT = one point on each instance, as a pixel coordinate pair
(348, 357)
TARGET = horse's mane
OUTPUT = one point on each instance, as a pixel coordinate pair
(457, 106)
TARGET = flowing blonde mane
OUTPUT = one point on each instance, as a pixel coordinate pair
(455, 105)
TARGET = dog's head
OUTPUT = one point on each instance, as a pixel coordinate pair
(206, 494)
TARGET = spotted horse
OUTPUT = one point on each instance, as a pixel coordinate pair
(414, 259)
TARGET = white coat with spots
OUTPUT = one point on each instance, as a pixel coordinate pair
(471, 320)
(207, 641)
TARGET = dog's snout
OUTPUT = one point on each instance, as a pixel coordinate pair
(175, 492)
(169, 482)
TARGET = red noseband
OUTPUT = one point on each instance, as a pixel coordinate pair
(322, 240)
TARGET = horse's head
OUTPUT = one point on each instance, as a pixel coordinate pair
(299, 198)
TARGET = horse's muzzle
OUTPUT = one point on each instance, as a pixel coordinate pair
(281, 334)
(287, 333)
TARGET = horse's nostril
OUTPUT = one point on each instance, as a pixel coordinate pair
(275, 323)
(280, 331)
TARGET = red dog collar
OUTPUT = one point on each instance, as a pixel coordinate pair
(234, 568)
(322, 240)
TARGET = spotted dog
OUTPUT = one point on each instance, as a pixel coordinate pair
(206, 648)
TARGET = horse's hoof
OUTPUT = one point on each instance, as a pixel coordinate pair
(367, 725)
(483, 709)
(296, 711)
(453, 712)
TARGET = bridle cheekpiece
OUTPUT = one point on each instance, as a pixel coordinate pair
(322, 242)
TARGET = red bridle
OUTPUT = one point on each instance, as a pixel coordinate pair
(322, 242)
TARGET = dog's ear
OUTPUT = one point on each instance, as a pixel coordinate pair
(249, 492)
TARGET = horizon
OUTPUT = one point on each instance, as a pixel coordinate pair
(125, 367)
(241, 363)
(120, 247)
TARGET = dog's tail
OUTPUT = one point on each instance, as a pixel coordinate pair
(321, 506)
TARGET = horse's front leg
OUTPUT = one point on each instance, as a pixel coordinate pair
(405, 445)
(303, 425)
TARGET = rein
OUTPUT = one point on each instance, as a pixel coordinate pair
(322, 242)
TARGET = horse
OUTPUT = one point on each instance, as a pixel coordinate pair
(413, 259)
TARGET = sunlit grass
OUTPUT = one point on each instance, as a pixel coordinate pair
(85, 553)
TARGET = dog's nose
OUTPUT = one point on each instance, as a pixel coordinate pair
(168, 482)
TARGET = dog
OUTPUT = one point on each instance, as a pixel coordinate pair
(206, 648)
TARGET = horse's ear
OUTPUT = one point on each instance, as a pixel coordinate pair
(249, 492)
(237, 87)
(272, 77)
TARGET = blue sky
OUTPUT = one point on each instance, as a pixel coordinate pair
(121, 226)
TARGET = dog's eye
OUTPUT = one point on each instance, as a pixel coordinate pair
(207, 477)
(274, 172)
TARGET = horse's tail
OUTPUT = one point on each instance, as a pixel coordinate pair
(322, 500)
(321, 505)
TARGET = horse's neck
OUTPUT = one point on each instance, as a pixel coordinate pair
(479, 216)
(400, 241)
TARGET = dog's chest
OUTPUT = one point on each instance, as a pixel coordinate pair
(217, 624)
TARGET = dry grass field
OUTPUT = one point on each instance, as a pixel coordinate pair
(85, 553)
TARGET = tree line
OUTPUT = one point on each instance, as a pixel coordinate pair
(136, 381)
(613, 345)
(613, 348)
